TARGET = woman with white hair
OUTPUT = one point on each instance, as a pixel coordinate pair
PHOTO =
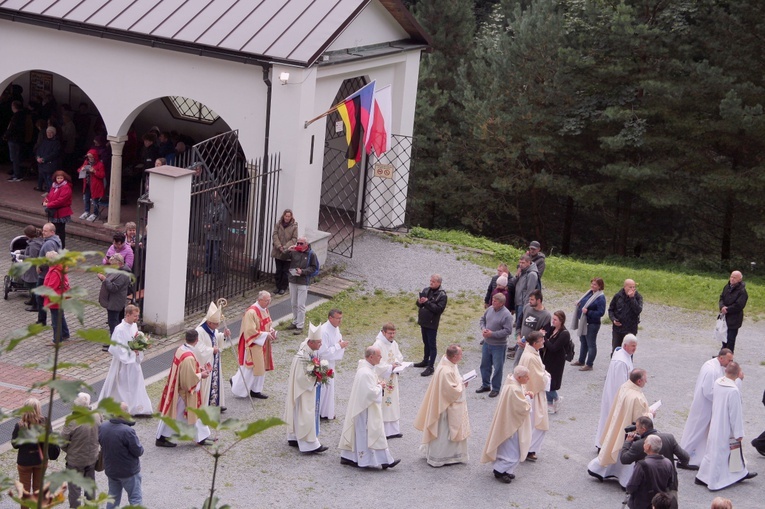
(81, 449)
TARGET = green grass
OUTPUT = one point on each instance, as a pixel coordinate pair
(672, 285)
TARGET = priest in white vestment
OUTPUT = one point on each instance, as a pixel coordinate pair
(391, 359)
(301, 406)
(182, 392)
(696, 431)
(125, 382)
(332, 350)
(723, 462)
(443, 416)
(510, 433)
(629, 404)
(539, 382)
(618, 373)
(255, 356)
(363, 443)
(208, 350)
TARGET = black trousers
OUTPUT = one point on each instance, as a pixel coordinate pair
(282, 274)
(429, 341)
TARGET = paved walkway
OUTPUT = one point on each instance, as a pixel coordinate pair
(89, 363)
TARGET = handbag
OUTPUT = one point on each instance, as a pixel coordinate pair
(100, 461)
(721, 329)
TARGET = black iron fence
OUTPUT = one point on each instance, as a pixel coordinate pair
(387, 186)
(233, 211)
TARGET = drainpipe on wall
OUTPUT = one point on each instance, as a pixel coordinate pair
(264, 168)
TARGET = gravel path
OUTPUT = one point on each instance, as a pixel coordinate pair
(263, 472)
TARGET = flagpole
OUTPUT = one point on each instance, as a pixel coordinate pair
(328, 112)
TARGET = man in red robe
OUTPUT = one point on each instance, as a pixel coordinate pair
(181, 392)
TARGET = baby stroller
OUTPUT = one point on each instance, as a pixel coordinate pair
(15, 284)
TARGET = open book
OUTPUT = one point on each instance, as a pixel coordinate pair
(469, 376)
(402, 367)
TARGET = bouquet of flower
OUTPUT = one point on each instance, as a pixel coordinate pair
(140, 342)
(320, 370)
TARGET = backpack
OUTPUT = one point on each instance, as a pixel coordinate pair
(315, 273)
(569, 350)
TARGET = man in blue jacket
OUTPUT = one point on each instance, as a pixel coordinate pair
(121, 450)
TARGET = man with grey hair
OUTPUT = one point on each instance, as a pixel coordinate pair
(363, 443)
(51, 242)
(496, 326)
(431, 304)
(618, 373)
(113, 293)
(509, 436)
(652, 475)
(255, 356)
(81, 448)
(633, 450)
(122, 451)
(302, 397)
(303, 266)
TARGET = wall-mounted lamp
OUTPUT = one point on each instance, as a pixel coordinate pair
(284, 77)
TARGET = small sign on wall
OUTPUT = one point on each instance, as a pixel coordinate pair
(384, 171)
(339, 127)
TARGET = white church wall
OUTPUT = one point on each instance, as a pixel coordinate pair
(360, 33)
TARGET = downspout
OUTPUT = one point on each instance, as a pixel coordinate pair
(260, 257)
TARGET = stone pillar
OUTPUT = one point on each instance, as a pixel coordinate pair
(115, 180)
(167, 250)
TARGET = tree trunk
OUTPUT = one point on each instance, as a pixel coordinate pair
(727, 228)
(568, 223)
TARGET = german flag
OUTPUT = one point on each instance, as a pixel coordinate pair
(355, 111)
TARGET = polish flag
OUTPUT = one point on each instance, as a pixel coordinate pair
(378, 134)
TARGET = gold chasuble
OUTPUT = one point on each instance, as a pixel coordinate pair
(255, 322)
(182, 381)
(510, 417)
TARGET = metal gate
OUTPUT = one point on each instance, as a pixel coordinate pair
(387, 186)
(340, 209)
(233, 211)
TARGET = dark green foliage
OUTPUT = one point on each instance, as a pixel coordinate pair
(597, 127)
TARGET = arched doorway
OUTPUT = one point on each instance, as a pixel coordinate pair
(340, 208)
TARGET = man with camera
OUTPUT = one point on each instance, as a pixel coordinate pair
(632, 450)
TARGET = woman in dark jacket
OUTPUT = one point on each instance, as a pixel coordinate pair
(48, 155)
(58, 203)
(285, 236)
(589, 310)
(554, 357)
(29, 457)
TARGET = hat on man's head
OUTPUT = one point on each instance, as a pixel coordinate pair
(535, 245)
(213, 314)
(314, 332)
(502, 281)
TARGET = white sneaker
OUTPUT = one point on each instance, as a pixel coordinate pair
(84, 215)
(557, 403)
(91, 218)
